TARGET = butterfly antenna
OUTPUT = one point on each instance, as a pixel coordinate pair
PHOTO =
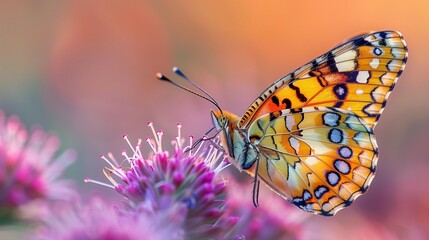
(162, 77)
(181, 74)
(206, 95)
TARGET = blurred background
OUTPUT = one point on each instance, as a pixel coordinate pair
(85, 70)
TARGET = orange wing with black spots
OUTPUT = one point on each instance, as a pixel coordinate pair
(356, 76)
(309, 136)
(320, 159)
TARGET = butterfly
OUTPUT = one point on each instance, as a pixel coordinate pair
(309, 136)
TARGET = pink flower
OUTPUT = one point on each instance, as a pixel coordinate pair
(274, 218)
(97, 220)
(29, 169)
(182, 188)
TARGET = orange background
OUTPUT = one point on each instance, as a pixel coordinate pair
(86, 70)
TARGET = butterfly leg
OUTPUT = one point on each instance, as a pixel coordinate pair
(255, 193)
(256, 184)
(217, 145)
(205, 138)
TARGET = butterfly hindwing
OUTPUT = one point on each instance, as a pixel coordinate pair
(358, 76)
(320, 158)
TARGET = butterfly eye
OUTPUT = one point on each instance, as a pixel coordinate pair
(223, 121)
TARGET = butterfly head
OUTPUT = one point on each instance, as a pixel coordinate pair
(226, 125)
(220, 120)
(223, 120)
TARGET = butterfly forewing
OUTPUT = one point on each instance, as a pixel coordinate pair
(320, 159)
(357, 76)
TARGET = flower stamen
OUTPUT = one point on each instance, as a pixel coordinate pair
(89, 180)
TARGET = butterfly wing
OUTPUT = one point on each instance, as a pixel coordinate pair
(309, 136)
(358, 76)
(320, 159)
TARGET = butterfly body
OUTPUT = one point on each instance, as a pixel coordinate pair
(309, 136)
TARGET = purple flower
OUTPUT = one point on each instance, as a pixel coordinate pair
(29, 169)
(182, 188)
(272, 219)
(97, 220)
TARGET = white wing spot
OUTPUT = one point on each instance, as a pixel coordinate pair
(290, 122)
(375, 62)
(306, 195)
(333, 178)
(398, 52)
(345, 152)
(336, 135)
(359, 91)
(346, 66)
(342, 166)
(350, 55)
(331, 119)
(395, 65)
(294, 143)
(394, 42)
(362, 77)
